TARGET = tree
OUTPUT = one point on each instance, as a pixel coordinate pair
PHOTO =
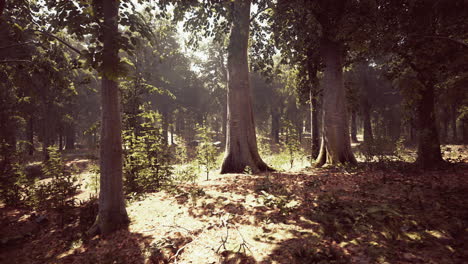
(424, 43)
(112, 214)
(241, 144)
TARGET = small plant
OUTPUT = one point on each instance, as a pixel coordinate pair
(206, 151)
(57, 193)
(15, 187)
(292, 143)
(147, 158)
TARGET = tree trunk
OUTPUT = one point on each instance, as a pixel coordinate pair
(70, 137)
(444, 131)
(453, 121)
(464, 123)
(275, 125)
(429, 154)
(165, 126)
(366, 122)
(112, 214)
(241, 145)
(60, 140)
(336, 146)
(30, 135)
(314, 125)
(46, 136)
(353, 127)
(224, 125)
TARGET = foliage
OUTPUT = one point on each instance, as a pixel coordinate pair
(206, 151)
(147, 158)
(15, 187)
(292, 143)
(57, 192)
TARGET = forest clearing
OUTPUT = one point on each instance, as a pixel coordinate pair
(233, 131)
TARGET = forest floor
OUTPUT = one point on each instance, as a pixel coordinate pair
(375, 213)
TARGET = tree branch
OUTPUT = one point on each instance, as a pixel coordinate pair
(60, 40)
(258, 13)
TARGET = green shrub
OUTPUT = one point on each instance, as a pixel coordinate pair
(57, 192)
(147, 165)
(206, 151)
(15, 186)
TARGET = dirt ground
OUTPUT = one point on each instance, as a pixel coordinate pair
(374, 213)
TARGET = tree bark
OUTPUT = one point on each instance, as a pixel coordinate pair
(464, 123)
(241, 145)
(275, 125)
(366, 122)
(70, 137)
(353, 127)
(314, 125)
(30, 135)
(112, 214)
(453, 121)
(429, 154)
(336, 146)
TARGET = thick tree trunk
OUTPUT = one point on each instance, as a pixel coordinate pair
(30, 135)
(224, 125)
(112, 214)
(429, 154)
(314, 125)
(241, 145)
(353, 127)
(336, 146)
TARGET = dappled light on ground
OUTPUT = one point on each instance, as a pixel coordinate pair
(333, 215)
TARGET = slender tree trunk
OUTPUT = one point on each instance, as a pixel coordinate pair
(60, 140)
(353, 127)
(444, 131)
(429, 154)
(336, 146)
(241, 145)
(464, 123)
(367, 125)
(70, 137)
(453, 121)
(30, 135)
(165, 126)
(314, 125)
(46, 136)
(275, 125)
(112, 214)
